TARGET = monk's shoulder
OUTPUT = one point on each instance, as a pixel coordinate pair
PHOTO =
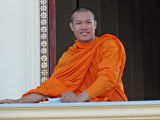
(111, 41)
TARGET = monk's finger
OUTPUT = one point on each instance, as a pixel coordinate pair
(8, 101)
(64, 100)
(3, 101)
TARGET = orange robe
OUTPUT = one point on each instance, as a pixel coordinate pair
(96, 67)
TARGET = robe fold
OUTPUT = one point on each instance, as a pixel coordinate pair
(96, 68)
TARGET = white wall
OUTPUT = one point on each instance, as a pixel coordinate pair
(16, 46)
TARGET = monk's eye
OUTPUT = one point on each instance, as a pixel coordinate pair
(78, 23)
(88, 22)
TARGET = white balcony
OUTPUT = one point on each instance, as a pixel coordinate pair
(141, 110)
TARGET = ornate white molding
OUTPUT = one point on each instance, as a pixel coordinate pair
(32, 44)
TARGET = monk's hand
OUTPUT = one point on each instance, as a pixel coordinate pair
(8, 101)
(71, 97)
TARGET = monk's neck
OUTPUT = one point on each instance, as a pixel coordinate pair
(86, 41)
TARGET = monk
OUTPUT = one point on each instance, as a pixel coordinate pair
(90, 70)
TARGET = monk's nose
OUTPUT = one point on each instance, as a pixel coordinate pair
(84, 27)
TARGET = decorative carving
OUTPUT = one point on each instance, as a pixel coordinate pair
(44, 40)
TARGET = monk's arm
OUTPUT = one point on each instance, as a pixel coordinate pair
(109, 69)
(31, 98)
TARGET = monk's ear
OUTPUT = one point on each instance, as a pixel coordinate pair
(71, 25)
(95, 24)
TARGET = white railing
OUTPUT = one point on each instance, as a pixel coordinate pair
(141, 110)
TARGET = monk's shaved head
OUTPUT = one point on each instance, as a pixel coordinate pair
(81, 9)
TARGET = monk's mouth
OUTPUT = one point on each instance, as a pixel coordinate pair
(84, 33)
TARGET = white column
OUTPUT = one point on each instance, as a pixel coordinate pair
(32, 44)
(19, 47)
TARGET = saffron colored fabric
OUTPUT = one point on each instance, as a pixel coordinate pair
(96, 67)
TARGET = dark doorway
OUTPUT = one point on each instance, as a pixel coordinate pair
(137, 24)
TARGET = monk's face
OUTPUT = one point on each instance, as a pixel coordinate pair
(84, 26)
